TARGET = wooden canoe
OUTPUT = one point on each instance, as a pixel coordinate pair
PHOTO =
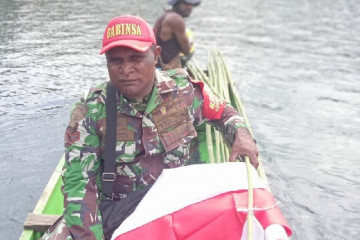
(50, 205)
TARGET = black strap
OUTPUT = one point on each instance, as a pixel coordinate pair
(108, 176)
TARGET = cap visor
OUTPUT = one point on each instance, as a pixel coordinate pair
(193, 2)
(172, 2)
(139, 46)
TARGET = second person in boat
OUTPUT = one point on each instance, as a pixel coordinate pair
(172, 36)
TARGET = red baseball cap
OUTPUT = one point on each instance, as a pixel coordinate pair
(128, 31)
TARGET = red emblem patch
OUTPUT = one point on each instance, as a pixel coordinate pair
(213, 106)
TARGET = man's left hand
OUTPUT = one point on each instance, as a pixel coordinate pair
(244, 144)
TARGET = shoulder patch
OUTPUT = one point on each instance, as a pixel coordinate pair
(171, 80)
(176, 72)
(78, 113)
(213, 106)
(93, 93)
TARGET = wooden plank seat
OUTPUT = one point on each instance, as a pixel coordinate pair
(39, 222)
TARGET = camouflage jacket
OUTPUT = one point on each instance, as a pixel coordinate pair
(147, 142)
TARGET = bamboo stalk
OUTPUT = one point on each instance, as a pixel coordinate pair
(217, 145)
(218, 80)
(224, 84)
(227, 153)
(209, 143)
(250, 200)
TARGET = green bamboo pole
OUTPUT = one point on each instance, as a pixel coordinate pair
(250, 213)
(222, 83)
(215, 81)
(209, 143)
(217, 146)
(227, 153)
(220, 61)
(223, 78)
(221, 87)
(217, 84)
(212, 82)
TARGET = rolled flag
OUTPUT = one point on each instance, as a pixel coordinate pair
(205, 201)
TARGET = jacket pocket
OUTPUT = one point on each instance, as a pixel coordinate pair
(178, 135)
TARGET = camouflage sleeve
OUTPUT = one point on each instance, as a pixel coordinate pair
(227, 123)
(81, 165)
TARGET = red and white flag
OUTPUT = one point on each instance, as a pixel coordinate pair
(205, 202)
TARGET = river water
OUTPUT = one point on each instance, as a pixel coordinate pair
(296, 64)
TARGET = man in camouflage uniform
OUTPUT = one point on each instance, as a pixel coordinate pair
(156, 113)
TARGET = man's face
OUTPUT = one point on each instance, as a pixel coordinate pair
(183, 8)
(132, 72)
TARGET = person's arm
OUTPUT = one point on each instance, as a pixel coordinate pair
(81, 165)
(177, 25)
(228, 121)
